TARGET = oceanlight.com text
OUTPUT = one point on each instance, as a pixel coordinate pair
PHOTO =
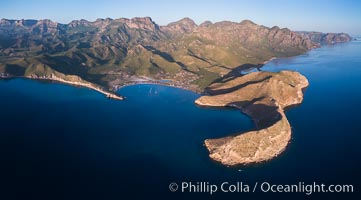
(264, 187)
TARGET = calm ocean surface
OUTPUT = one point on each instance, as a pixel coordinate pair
(63, 142)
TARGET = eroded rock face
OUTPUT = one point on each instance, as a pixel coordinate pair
(263, 96)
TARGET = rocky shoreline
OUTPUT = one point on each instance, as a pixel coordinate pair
(263, 96)
(72, 80)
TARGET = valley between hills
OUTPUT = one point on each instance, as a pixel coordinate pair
(210, 58)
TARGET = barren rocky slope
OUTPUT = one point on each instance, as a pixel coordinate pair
(263, 96)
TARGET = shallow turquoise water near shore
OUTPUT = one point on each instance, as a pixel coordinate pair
(63, 142)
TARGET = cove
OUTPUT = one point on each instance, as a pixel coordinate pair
(63, 142)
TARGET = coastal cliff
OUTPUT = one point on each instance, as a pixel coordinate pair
(263, 96)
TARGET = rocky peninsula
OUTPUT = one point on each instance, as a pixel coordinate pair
(77, 81)
(263, 96)
(67, 79)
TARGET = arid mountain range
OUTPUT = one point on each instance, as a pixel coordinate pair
(110, 53)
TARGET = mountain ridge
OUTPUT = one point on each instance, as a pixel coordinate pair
(117, 52)
(325, 38)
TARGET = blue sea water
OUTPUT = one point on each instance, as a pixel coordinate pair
(64, 142)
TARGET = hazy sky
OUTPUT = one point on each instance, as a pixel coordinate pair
(318, 15)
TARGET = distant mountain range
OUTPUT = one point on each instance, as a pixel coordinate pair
(110, 53)
(325, 38)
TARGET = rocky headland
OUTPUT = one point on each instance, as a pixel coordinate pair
(263, 96)
(50, 75)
